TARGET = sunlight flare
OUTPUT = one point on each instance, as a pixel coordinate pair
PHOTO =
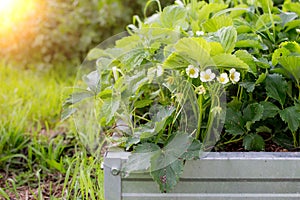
(14, 11)
(6, 5)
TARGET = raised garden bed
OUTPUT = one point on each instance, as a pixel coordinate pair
(225, 175)
(164, 93)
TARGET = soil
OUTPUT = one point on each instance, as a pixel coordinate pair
(270, 146)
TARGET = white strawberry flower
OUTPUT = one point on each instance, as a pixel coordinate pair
(223, 78)
(234, 76)
(207, 75)
(192, 71)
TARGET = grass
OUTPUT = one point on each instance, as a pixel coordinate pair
(40, 156)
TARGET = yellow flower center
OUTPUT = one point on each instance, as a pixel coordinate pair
(232, 76)
(206, 76)
(192, 71)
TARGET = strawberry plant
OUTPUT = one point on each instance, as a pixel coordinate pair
(161, 91)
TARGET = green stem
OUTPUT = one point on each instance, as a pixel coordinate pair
(170, 131)
(200, 100)
(295, 139)
(241, 93)
(158, 137)
(162, 93)
(267, 99)
(231, 141)
(240, 88)
(209, 121)
(299, 92)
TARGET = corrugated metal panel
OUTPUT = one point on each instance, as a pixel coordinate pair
(221, 176)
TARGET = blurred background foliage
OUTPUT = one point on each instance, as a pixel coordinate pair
(63, 31)
(41, 44)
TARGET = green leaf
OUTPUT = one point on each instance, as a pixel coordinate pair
(249, 86)
(263, 129)
(291, 116)
(287, 17)
(238, 10)
(214, 24)
(248, 40)
(160, 113)
(235, 104)
(292, 25)
(135, 82)
(142, 103)
(261, 78)
(166, 166)
(92, 80)
(67, 112)
(284, 140)
(157, 36)
(243, 28)
(133, 58)
(140, 159)
(229, 61)
(95, 54)
(173, 151)
(281, 71)
(175, 61)
(173, 17)
(234, 12)
(292, 6)
(252, 113)
(248, 44)
(167, 177)
(193, 152)
(270, 110)
(276, 87)
(267, 5)
(78, 96)
(131, 141)
(106, 93)
(109, 108)
(247, 58)
(265, 22)
(292, 46)
(253, 142)
(234, 123)
(128, 42)
(207, 9)
(197, 49)
(103, 63)
(157, 123)
(292, 65)
(262, 63)
(278, 53)
(145, 131)
(227, 37)
(216, 48)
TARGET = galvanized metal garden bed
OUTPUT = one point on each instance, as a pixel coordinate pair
(226, 175)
